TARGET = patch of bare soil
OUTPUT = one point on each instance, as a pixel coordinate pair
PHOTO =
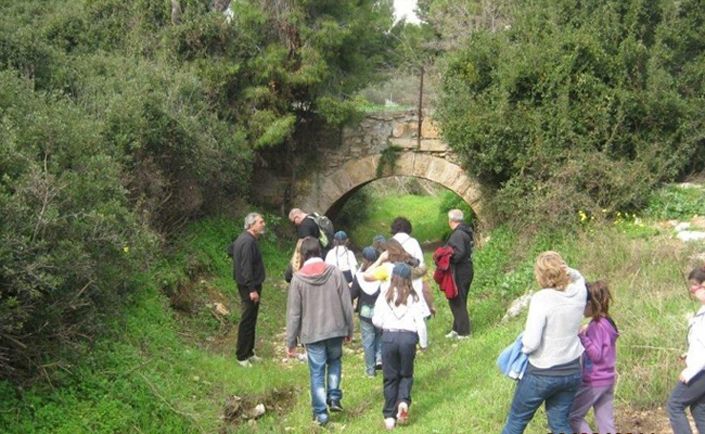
(247, 409)
(652, 421)
(196, 301)
(698, 222)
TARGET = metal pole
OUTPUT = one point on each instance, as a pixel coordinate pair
(420, 113)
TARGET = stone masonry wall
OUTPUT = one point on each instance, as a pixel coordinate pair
(362, 142)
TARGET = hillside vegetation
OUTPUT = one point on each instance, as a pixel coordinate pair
(568, 105)
(120, 121)
(168, 364)
(129, 132)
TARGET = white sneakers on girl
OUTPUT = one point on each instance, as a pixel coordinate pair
(389, 423)
(403, 413)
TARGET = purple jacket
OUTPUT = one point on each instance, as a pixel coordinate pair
(600, 355)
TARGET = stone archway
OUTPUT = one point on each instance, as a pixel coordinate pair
(325, 191)
(347, 159)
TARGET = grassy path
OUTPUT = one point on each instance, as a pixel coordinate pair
(172, 371)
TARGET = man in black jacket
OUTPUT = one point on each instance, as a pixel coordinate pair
(248, 272)
(461, 241)
(305, 225)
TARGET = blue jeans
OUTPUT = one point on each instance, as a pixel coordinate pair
(372, 344)
(321, 355)
(687, 395)
(532, 391)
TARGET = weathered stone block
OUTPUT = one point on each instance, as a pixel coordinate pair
(398, 129)
(421, 163)
(429, 129)
(405, 164)
(404, 143)
(433, 145)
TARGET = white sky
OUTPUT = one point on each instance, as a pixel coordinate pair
(405, 8)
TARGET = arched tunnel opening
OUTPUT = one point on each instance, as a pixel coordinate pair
(367, 210)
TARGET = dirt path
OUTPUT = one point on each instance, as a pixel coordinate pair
(654, 421)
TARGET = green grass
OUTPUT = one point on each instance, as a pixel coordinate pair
(429, 224)
(676, 202)
(170, 372)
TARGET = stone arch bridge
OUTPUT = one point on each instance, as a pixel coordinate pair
(352, 161)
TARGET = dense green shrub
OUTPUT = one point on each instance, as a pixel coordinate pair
(69, 238)
(356, 209)
(578, 105)
(120, 122)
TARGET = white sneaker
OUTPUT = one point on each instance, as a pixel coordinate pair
(452, 335)
(389, 423)
(255, 358)
(245, 363)
(463, 337)
(403, 412)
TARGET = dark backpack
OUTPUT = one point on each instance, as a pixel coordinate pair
(325, 228)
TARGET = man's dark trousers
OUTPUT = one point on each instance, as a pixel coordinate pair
(459, 304)
(246, 328)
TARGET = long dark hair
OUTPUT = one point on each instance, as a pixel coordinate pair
(403, 290)
(396, 253)
(600, 299)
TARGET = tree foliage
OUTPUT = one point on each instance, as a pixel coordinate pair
(120, 120)
(579, 105)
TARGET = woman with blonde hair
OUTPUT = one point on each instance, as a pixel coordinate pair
(550, 340)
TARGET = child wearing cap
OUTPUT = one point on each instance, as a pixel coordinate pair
(690, 389)
(342, 257)
(366, 293)
(399, 313)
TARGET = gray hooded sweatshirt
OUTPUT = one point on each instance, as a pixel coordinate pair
(318, 306)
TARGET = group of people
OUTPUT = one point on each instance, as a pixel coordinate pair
(572, 368)
(565, 366)
(391, 298)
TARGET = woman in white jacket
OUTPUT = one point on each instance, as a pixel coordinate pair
(551, 342)
(400, 314)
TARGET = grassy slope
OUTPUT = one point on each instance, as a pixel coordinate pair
(163, 372)
(429, 224)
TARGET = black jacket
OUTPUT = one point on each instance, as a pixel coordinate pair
(461, 241)
(308, 228)
(248, 267)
